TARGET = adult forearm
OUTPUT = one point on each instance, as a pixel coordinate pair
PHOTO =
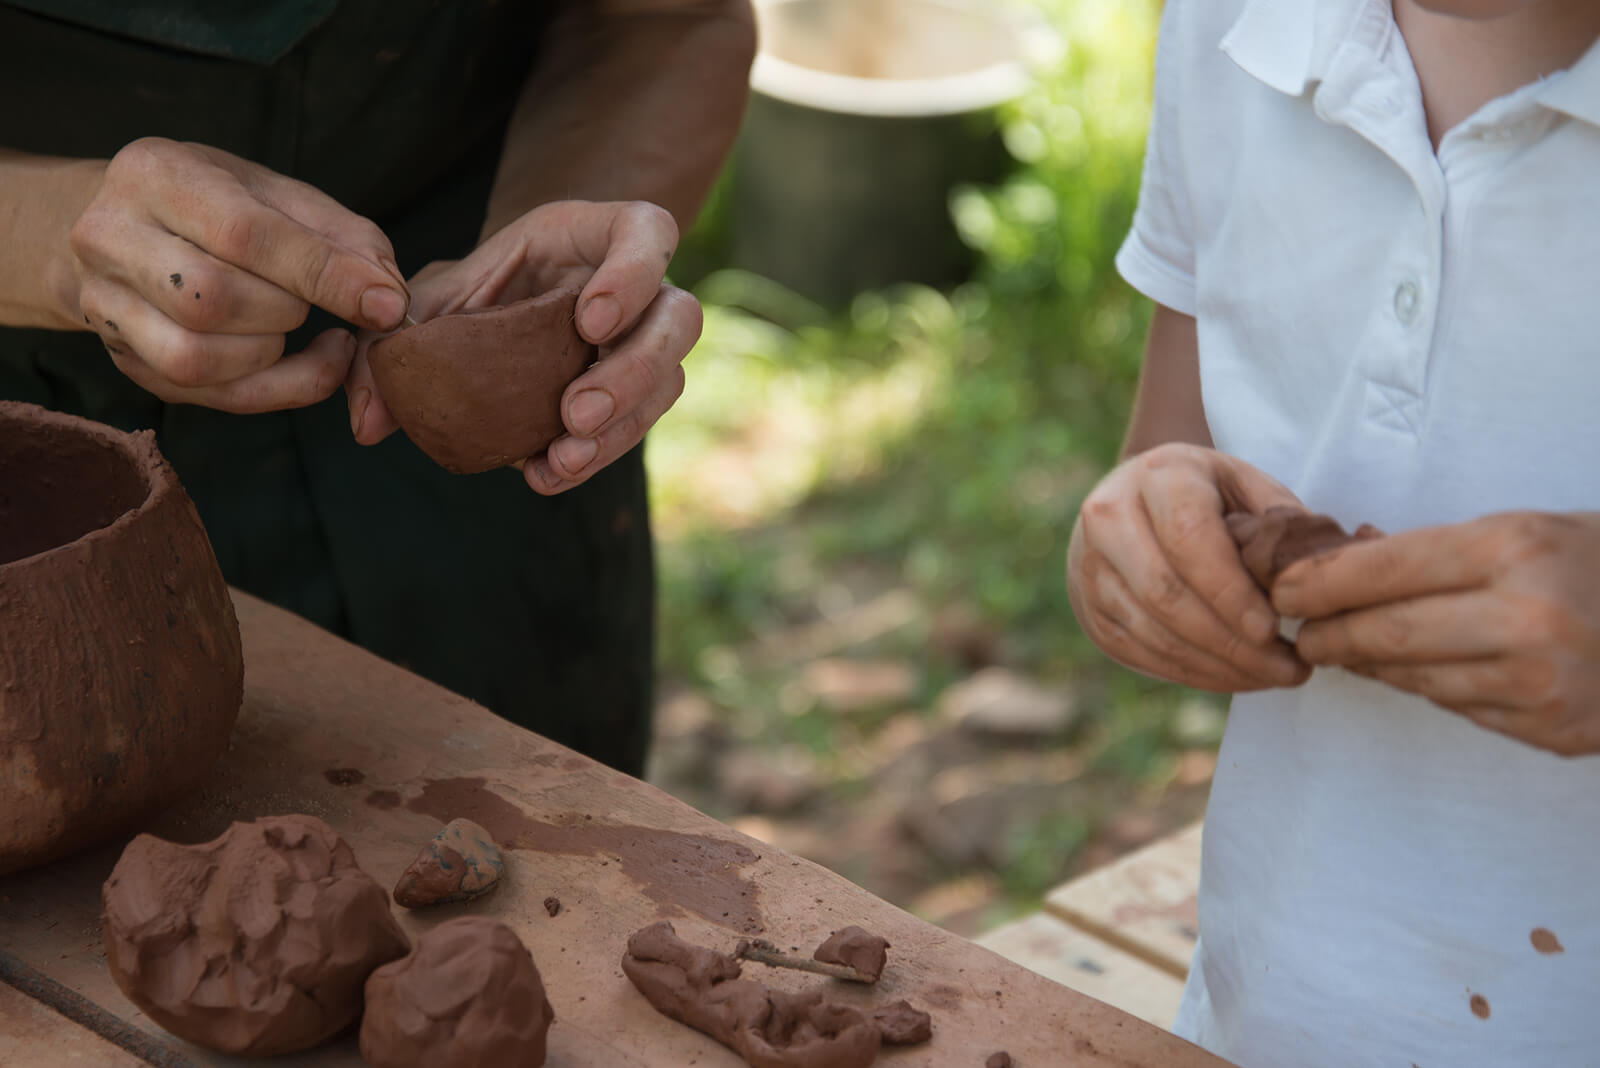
(40, 198)
(630, 100)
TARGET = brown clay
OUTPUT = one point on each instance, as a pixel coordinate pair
(552, 905)
(768, 1028)
(1271, 541)
(855, 948)
(998, 1060)
(902, 1025)
(1545, 941)
(481, 389)
(460, 863)
(121, 673)
(255, 943)
(468, 996)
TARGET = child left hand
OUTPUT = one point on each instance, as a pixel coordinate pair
(1497, 619)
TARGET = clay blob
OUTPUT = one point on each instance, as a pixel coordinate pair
(468, 996)
(998, 1060)
(855, 948)
(255, 943)
(460, 863)
(902, 1025)
(121, 671)
(768, 1028)
(481, 389)
(1270, 542)
(552, 905)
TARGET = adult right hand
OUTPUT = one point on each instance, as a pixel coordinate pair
(1156, 580)
(192, 265)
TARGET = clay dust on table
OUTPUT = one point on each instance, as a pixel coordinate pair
(468, 996)
(255, 943)
(689, 872)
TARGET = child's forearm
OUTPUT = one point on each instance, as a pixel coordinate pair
(1167, 407)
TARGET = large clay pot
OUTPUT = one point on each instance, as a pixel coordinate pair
(121, 672)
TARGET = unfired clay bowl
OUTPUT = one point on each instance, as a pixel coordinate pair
(121, 672)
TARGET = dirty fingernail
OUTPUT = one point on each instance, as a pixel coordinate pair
(358, 410)
(382, 307)
(538, 475)
(600, 316)
(589, 409)
(574, 453)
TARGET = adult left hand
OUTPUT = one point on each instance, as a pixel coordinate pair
(1497, 619)
(616, 254)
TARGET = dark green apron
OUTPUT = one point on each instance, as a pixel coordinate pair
(540, 608)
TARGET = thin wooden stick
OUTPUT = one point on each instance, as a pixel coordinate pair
(763, 952)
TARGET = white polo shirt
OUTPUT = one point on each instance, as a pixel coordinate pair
(1403, 338)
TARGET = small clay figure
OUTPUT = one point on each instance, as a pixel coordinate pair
(902, 1025)
(1270, 542)
(255, 943)
(469, 996)
(460, 863)
(481, 389)
(855, 948)
(768, 1028)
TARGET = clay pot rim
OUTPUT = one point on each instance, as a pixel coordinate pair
(137, 448)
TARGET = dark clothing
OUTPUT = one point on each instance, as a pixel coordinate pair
(540, 608)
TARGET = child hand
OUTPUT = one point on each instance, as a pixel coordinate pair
(1156, 580)
(1497, 619)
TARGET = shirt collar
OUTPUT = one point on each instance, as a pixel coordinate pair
(1290, 44)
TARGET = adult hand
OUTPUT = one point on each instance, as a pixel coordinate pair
(616, 255)
(1156, 580)
(1497, 619)
(193, 264)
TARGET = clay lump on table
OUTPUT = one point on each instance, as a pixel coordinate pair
(855, 948)
(461, 863)
(468, 996)
(255, 943)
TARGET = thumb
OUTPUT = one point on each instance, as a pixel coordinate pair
(1246, 488)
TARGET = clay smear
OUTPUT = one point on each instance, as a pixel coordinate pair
(459, 864)
(1545, 941)
(768, 1028)
(855, 948)
(689, 873)
(901, 1024)
(1270, 542)
(468, 996)
(255, 943)
(482, 389)
(998, 1060)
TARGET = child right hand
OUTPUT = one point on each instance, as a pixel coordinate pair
(1156, 580)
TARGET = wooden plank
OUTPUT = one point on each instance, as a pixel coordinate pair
(385, 758)
(1044, 944)
(1144, 903)
(33, 1033)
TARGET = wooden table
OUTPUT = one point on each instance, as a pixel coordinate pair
(385, 758)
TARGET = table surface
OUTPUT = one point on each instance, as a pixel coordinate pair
(385, 758)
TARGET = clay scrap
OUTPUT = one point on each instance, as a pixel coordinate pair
(460, 863)
(855, 948)
(998, 1060)
(255, 943)
(468, 996)
(902, 1025)
(768, 1028)
(481, 389)
(1274, 539)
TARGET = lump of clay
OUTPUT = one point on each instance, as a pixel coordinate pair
(855, 948)
(902, 1025)
(469, 996)
(482, 389)
(255, 943)
(1270, 542)
(460, 863)
(768, 1028)
(998, 1060)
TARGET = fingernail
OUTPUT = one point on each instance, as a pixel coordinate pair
(1259, 625)
(538, 475)
(358, 410)
(574, 453)
(382, 307)
(600, 316)
(588, 410)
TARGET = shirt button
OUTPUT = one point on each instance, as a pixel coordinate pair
(1405, 302)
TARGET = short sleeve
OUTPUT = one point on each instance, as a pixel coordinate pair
(1157, 258)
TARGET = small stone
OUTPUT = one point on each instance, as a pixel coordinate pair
(1001, 702)
(461, 863)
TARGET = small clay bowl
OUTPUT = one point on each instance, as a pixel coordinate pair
(121, 672)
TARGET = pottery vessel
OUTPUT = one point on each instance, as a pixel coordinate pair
(121, 672)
